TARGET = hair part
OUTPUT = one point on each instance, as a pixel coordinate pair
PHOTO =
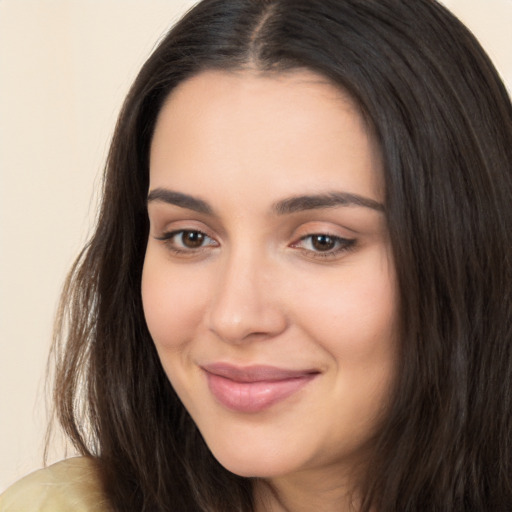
(443, 121)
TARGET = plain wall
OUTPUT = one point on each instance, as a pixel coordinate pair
(65, 66)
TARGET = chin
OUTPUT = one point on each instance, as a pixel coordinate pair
(249, 459)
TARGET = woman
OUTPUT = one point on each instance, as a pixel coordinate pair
(298, 294)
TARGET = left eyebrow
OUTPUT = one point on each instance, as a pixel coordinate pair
(327, 200)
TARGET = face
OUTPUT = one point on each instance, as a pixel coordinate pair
(268, 283)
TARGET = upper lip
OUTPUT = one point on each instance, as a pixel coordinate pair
(256, 373)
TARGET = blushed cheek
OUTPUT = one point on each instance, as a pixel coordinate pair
(355, 318)
(171, 307)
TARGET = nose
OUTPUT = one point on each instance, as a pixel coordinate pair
(245, 305)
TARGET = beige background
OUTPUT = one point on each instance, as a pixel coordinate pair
(65, 66)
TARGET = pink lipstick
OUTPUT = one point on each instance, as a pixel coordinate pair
(254, 388)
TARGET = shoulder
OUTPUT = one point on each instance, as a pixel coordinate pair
(72, 484)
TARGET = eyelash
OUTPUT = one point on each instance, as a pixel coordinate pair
(341, 244)
(169, 240)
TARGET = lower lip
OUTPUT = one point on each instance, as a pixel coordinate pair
(250, 397)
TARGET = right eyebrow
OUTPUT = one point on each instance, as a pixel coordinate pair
(179, 199)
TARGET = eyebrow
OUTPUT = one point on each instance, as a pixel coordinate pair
(321, 201)
(286, 206)
(178, 199)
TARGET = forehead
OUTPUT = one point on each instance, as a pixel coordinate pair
(252, 130)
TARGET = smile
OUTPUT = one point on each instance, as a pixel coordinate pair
(255, 388)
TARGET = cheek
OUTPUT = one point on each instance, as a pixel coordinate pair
(173, 303)
(353, 314)
(356, 324)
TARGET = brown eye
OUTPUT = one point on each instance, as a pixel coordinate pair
(192, 239)
(323, 242)
(186, 240)
(323, 245)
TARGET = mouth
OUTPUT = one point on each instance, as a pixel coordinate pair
(253, 389)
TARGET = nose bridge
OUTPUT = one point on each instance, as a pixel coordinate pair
(245, 302)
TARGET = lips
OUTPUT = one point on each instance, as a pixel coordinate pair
(254, 388)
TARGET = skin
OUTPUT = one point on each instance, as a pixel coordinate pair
(258, 290)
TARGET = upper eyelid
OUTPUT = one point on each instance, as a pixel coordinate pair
(322, 228)
(168, 234)
(164, 227)
(338, 238)
(171, 232)
(164, 223)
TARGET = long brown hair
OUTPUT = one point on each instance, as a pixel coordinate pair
(443, 120)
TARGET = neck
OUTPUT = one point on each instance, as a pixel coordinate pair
(303, 493)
